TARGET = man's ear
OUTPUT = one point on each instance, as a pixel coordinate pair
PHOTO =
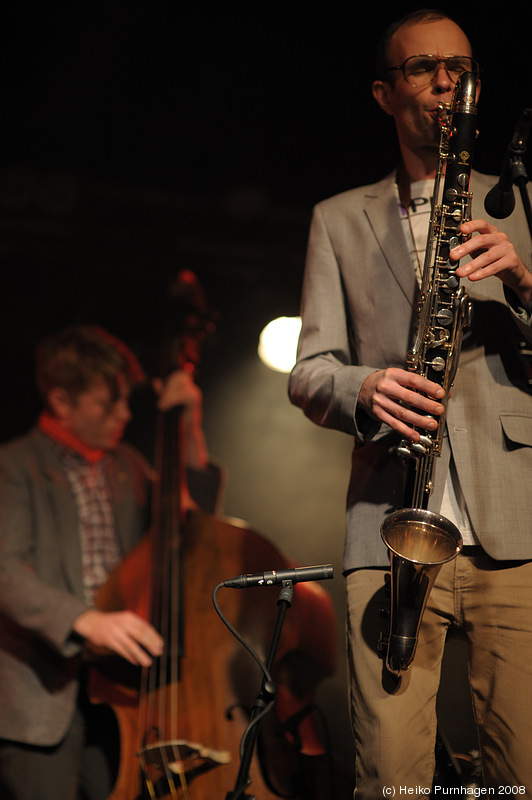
(381, 93)
(59, 402)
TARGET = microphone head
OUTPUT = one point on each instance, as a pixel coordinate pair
(499, 204)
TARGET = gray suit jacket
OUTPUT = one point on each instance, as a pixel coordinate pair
(41, 585)
(358, 316)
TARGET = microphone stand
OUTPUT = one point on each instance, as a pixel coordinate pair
(520, 179)
(265, 696)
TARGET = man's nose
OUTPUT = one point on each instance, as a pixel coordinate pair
(123, 411)
(442, 81)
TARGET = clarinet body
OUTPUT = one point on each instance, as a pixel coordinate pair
(419, 540)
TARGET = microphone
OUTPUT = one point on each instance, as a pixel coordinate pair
(320, 573)
(500, 200)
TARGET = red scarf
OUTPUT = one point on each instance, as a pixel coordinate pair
(51, 426)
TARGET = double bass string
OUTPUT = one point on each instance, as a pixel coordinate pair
(159, 692)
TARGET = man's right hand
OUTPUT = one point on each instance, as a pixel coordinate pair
(392, 396)
(120, 632)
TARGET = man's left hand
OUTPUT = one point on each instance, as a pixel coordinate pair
(492, 253)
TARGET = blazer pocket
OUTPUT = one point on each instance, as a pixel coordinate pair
(517, 430)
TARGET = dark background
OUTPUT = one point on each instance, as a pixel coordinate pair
(143, 138)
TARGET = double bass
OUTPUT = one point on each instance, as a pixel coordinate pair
(181, 721)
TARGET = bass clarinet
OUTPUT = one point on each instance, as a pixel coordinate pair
(421, 541)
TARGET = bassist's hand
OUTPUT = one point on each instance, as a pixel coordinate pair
(179, 389)
(120, 632)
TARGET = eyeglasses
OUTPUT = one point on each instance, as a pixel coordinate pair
(419, 71)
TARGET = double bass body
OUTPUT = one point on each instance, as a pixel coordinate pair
(186, 730)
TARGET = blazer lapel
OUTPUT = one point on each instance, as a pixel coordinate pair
(381, 210)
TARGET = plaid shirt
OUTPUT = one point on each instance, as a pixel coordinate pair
(99, 547)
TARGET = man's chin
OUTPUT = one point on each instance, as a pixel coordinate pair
(110, 444)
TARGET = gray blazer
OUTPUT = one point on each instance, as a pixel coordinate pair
(41, 585)
(358, 316)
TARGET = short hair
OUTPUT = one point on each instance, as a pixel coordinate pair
(413, 18)
(74, 358)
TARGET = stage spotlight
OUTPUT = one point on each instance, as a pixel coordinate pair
(278, 343)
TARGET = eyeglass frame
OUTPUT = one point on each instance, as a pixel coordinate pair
(441, 60)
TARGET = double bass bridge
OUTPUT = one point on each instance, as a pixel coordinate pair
(170, 765)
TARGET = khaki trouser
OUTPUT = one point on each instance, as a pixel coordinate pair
(394, 722)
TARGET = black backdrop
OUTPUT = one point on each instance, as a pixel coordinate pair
(155, 94)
